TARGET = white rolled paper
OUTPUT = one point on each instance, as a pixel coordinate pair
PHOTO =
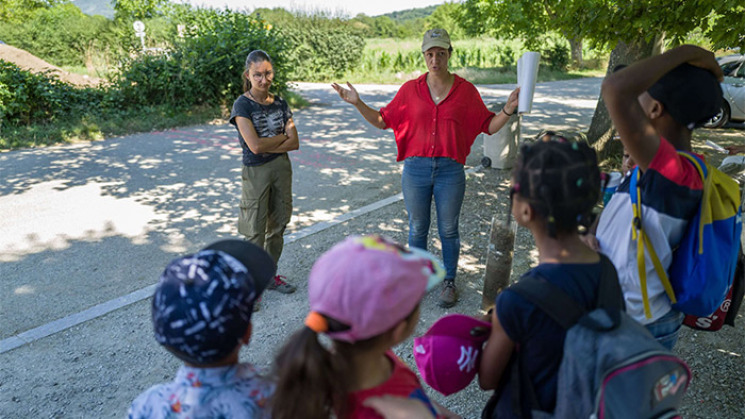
(527, 74)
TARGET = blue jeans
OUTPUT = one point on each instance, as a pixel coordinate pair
(667, 328)
(445, 179)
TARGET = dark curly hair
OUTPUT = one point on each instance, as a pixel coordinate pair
(560, 178)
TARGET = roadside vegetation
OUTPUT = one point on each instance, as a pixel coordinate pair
(189, 72)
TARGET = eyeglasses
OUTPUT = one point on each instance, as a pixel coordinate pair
(269, 75)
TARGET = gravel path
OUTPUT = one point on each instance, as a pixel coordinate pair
(58, 377)
(95, 369)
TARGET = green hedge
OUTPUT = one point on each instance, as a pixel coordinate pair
(64, 36)
(27, 98)
(319, 48)
(205, 66)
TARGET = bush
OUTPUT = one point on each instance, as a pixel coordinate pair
(206, 66)
(556, 56)
(320, 48)
(63, 35)
(27, 98)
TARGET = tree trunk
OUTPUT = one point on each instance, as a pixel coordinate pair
(576, 46)
(498, 259)
(600, 133)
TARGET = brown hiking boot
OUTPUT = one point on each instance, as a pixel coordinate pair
(448, 295)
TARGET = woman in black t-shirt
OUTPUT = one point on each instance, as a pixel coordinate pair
(266, 133)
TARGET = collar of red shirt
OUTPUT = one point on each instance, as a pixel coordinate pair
(422, 83)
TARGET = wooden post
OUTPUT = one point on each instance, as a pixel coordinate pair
(498, 259)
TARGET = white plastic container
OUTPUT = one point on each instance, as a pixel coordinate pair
(500, 148)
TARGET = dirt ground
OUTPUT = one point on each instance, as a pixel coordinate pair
(58, 377)
(96, 368)
(30, 62)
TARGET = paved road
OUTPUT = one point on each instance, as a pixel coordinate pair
(76, 217)
(85, 224)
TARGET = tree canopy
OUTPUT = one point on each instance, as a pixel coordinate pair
(16, 11)
(607, 22)
(632, 29)
(138, 9)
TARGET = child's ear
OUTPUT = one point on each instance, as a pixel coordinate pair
(527, 213)
(657, 109)
(247, 335)
(401, 331)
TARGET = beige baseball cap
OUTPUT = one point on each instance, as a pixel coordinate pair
(436, 38)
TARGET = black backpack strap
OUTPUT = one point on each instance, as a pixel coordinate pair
(558, 305)
(610, 295)
(550, 299)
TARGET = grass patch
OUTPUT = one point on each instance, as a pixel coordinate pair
(295, 100)
(722, 136)
(478, 60)
(116, 123)
(509, 75)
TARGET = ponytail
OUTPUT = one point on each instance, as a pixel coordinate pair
(311, 381)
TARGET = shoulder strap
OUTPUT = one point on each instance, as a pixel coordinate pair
(704, 208)
(697, 162)
(551, 299)
(564, 309)
(642, 242)
(610, 295)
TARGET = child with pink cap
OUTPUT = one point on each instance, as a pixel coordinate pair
(364, 295)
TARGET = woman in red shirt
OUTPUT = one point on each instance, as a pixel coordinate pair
(435, 119)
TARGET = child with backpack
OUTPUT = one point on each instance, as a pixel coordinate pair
(560, 344)
(654, 105)
(364, 296)
(202, 315)
(555, 182)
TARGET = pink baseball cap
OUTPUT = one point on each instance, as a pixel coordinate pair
(448, 355)
(370, 283)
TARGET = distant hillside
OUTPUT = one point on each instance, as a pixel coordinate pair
(411, 14)
(96, 7)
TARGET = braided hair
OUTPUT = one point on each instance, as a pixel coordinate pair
(560, 178)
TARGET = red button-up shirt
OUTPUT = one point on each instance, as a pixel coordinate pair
(447, 129)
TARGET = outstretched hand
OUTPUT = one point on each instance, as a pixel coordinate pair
(735, 149)
(348, 95)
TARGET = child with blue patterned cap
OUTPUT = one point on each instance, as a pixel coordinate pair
(201, 312)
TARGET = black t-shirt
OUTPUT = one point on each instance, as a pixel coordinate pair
(268, 121)
(540, 338)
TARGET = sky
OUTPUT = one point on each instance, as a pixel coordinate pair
(337, 7)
